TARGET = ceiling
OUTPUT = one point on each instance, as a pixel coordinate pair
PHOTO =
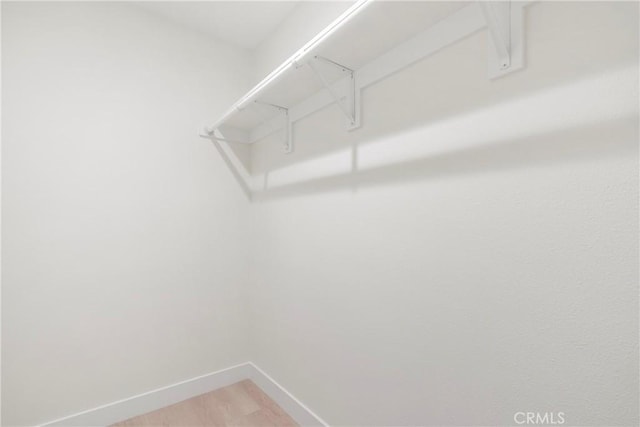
(241, 23)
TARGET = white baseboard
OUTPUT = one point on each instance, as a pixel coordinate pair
(287, 401)
(150, 401)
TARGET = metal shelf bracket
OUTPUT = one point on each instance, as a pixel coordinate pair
(504, 20)
(287, 127)
(350, 107)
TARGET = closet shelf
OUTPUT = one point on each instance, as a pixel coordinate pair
(368, 42)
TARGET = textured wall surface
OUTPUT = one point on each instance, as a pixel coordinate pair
(471, 252)
(124, 235)
(482, 259)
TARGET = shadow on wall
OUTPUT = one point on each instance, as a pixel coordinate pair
(579, 121)
(571, 145)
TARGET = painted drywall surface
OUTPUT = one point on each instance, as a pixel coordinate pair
(482, 259)
(306, 20)
(124, 234)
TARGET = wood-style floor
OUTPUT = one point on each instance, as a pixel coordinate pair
(241, 404)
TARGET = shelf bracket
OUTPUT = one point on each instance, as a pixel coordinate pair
(288, 126)
(504, 21)
(351, 105)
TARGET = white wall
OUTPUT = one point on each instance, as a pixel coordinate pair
(483, 258)
(124, 234)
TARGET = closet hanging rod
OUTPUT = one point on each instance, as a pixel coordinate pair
(294, 59)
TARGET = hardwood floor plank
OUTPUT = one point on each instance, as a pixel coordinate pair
(266, 403)
(242, 404)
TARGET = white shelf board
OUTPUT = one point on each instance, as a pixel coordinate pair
(375, 30)
(381, 39)
(381, 27)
